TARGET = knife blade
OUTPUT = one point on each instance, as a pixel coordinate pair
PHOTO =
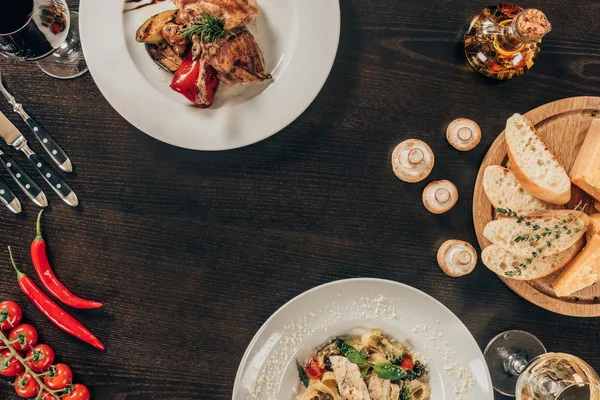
(13, 137)
(27, 185)
(8, 198)
(58, 155)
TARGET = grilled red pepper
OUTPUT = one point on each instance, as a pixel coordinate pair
(52, 311)
(46, 275)
(185, 81)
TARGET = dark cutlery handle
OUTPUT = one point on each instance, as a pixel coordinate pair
(56, 182)
(58, 155)
(8, 198)
(27, 185)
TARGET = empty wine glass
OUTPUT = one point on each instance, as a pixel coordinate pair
(520, 366)
(43, 31)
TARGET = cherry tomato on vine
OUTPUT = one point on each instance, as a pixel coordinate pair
(10, 315)
(80, 392)
(46, 396)
(313, 369)
(407, 364)
(26, 386)
(9, 365)
(27, 336)
(40, 357)
(59, 378)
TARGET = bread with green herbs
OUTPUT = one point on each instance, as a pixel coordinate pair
(508, 265)
(533, 164)
(504, 191)
(537, 234)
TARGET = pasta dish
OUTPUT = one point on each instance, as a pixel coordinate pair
(373, 366)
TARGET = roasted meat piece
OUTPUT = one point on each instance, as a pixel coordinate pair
(236, 57)
(235, 13)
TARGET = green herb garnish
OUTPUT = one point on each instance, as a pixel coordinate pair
(405, 393)
(208, 28)
(302, 374)
(365, 371)
(389, 371)
(351, 353)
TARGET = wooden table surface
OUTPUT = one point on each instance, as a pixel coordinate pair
(192, 251)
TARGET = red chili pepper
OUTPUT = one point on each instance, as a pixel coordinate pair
(47, 276)
(52, 311)
(185, 81)
(186, 76)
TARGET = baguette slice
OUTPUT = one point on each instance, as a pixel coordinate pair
(503, 232)
(508, 265)
(584, 271)
(504, 191)
(533, 163)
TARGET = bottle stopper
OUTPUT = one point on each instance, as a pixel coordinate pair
(412, 160)
(463, 134)
(440, 196)
(456, 258)
(531, 25)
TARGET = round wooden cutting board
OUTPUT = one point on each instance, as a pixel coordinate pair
(562, 125)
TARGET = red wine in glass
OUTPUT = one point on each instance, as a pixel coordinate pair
(32, 29)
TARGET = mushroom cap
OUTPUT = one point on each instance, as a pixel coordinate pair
(463, 134)
(456, 258)
(440, 196)
(412, 160)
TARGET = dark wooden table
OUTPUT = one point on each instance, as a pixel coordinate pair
(193, 251)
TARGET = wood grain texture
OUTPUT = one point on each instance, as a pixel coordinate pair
(191, 252)
(562, 125)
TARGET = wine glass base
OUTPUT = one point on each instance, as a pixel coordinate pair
(507, 355)
(67, 62)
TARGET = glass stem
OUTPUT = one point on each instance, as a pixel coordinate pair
(513, 363)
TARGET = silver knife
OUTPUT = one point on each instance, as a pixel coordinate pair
(27, 185)
(13, 137)
(8, 198)
(58, 155)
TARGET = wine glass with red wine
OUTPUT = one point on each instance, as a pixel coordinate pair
(42, 31)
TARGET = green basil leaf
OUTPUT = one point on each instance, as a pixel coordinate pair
(302, 374)
(351, 353)
(365, 371)
(389, 371)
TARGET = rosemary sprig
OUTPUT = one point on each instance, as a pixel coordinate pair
(550, 234)
(208, 28)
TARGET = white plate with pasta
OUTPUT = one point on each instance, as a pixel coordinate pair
(366, 339)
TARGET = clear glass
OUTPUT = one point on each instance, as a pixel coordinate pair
(520, 366)
(49, 36)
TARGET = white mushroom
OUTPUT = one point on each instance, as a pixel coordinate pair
(456, 258)
(463, 134)
(440, 196)
(412, 160)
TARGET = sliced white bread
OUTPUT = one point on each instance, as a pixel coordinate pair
(534, 165)
(538, 230)
(508, 265)
(584, 271)
(504, 191)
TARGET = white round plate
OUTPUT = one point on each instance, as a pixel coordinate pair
(299, 40)
(456, 365)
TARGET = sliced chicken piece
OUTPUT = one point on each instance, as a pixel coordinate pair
(379, 389)
(236, 58)
(347, 376)
(235, 13)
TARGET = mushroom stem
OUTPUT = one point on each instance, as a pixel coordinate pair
(465, 134)
(462, 258)
(415, 156)
(442, 195)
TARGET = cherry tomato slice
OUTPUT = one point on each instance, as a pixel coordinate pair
(407, 364)
(27, 337)
(10, 315)
(9, 365)
(313, 369)
(26, 386)
(59, 378)
(40, 357)
(80, 392)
